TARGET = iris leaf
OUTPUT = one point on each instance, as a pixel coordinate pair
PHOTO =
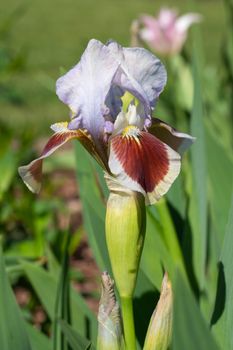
(13, 334)
(223, 317)
(45, 286)
(37, 339)
(220, 172)
(198, 198)
(93, 206)
(189, 328)
(76, 341)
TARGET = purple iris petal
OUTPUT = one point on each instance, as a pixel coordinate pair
(93, 88)
(108, 127)
(85, 87)
(140, 73)
(113, 100)
(75, 123)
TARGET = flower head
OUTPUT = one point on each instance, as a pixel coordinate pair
(111, 93)
(167, 33)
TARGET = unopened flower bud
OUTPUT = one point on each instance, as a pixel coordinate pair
(109, 329)
(159, 332)
(125, 232)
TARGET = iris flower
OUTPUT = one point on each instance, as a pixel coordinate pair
(167, 33)
(140, 152)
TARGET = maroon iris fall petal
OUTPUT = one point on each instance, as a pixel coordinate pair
(144, 163)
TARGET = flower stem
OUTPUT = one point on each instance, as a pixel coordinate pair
(128, 323)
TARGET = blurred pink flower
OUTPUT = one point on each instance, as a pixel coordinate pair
(166, 34)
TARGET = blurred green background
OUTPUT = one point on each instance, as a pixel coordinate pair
(53, 34)
(39, 40)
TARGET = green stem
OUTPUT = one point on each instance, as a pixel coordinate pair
(128, 323)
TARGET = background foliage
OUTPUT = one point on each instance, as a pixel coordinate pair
(189, 234)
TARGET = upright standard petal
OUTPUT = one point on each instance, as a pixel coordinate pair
(167, 17)
(141, 162)
(85, 87)
(150, 23)
(148, 70)
(185, 21)
(140, 72)
(31, 174)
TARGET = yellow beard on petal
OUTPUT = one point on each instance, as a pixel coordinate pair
(131, 130)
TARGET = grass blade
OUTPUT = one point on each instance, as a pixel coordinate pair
(13, 334)
(76, 341)
(62, 304)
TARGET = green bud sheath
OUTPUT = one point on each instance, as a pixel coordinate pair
(125, 232)
(159, 332)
